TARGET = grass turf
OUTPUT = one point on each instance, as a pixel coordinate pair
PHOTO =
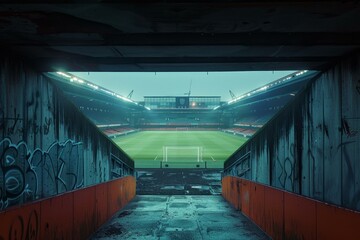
(146, 148)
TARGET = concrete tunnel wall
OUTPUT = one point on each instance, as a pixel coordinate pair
(312, 147)
(47, 147)
(299, 176)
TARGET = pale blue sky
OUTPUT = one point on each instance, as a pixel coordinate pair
(178, 83)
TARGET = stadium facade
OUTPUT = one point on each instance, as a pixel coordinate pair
(182, 102)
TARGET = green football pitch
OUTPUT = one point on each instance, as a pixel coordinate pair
(179, 149)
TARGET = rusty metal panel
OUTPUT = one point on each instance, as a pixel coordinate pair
(130, 189)
(57, 220)
(84, 213)
(231, 191)
(238, 193)
(21, 222)
(245, 197)
(226, 182)
(299, 217)
(101, 198)
(274, 212)
(257, 205)
(116, 198)
(336, 223)
(122, 196)
(225, 187)
(232, 194)
(113, 192)
(235, 193)
(125, 191)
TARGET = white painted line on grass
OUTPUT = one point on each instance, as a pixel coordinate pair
(156, 157)
(213, 159)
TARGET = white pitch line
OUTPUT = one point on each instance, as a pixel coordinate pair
(213, 159)
(156, 157)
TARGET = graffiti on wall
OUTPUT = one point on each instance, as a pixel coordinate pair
(27, 174)
(16, 125)
(347, 129)
(287, 170)
(25, 227)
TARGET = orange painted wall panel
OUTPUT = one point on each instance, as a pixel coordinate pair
(337, 223)
(101, 198)
(84, 213)
(284, 215)
(257, 204)
(132, 185)
(274, 212)
(226, 189)
(120, 194)
(57, 219)
(73, 215)
(233, 193)
(245, 197)
(238, 192)
(299, 217)
(21, 222)
(114, 190)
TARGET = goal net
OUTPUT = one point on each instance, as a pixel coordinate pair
(182, 154)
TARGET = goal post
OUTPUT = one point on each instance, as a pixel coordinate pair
(182, 153)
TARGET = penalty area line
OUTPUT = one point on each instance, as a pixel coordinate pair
(213, 159)
(156, 157)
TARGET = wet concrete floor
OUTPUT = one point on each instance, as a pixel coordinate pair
(179, 217)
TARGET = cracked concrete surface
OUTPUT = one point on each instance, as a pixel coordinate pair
(179, 217)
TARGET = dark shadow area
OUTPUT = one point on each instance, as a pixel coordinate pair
(178, 181)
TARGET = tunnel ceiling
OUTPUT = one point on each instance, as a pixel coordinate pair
(179, 35)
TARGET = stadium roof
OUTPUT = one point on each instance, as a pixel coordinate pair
(182, 96)
(78, 86)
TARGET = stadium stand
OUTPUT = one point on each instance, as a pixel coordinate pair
(244, 115)
(181, 118)
(246, 132)
(115, 132)
(250, 112)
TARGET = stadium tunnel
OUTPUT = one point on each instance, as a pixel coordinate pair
(296, 178)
